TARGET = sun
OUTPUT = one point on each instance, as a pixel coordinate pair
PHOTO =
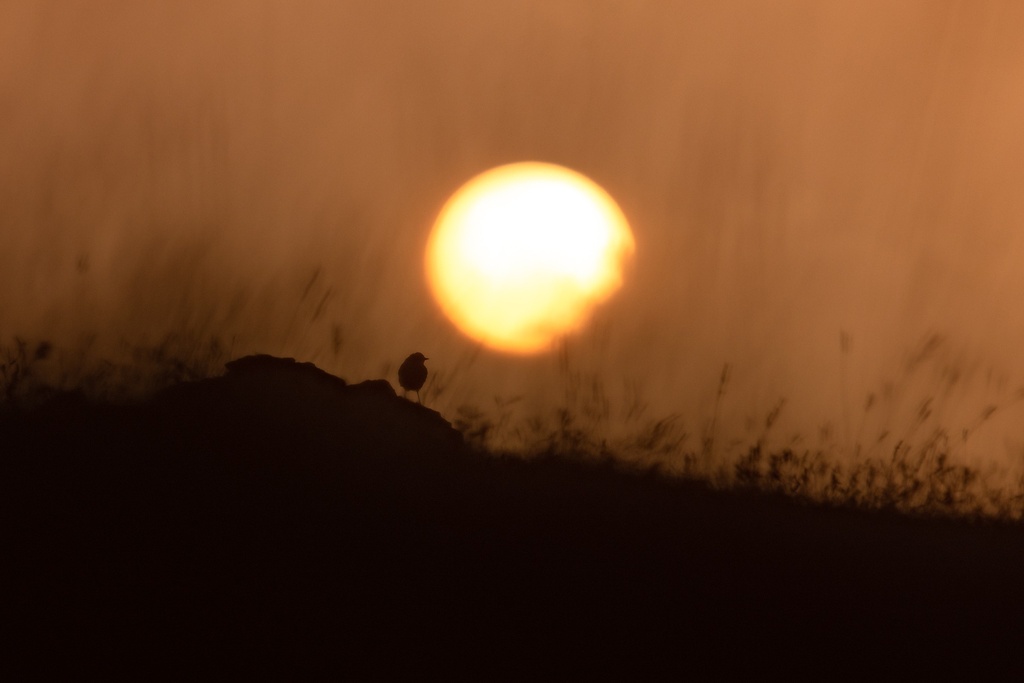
(522, 253)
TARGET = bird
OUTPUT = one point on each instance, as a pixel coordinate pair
(412, 374)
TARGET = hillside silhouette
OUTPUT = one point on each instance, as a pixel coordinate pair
(278, 516)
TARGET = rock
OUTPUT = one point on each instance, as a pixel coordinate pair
(274, 403)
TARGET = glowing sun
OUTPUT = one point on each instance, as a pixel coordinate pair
(522, 253)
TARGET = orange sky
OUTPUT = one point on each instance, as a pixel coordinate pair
(790, 170)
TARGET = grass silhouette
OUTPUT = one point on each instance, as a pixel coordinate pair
(893, 471)
(915, 469)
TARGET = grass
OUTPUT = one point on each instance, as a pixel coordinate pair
(919, 469)
(31, 371)
(916, 466)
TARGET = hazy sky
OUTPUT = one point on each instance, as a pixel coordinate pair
(791, 170)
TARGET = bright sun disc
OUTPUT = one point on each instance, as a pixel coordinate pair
(521, 254)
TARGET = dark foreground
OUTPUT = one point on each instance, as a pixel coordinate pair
(278, 520)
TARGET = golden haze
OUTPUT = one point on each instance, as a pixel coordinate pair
(267, 173)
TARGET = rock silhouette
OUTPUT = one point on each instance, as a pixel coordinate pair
(266, 397)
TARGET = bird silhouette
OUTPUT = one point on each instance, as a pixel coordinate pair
(412, 374)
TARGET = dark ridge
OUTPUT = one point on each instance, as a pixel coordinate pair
(280, 518)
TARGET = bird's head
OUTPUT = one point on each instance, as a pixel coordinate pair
(418, 356)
